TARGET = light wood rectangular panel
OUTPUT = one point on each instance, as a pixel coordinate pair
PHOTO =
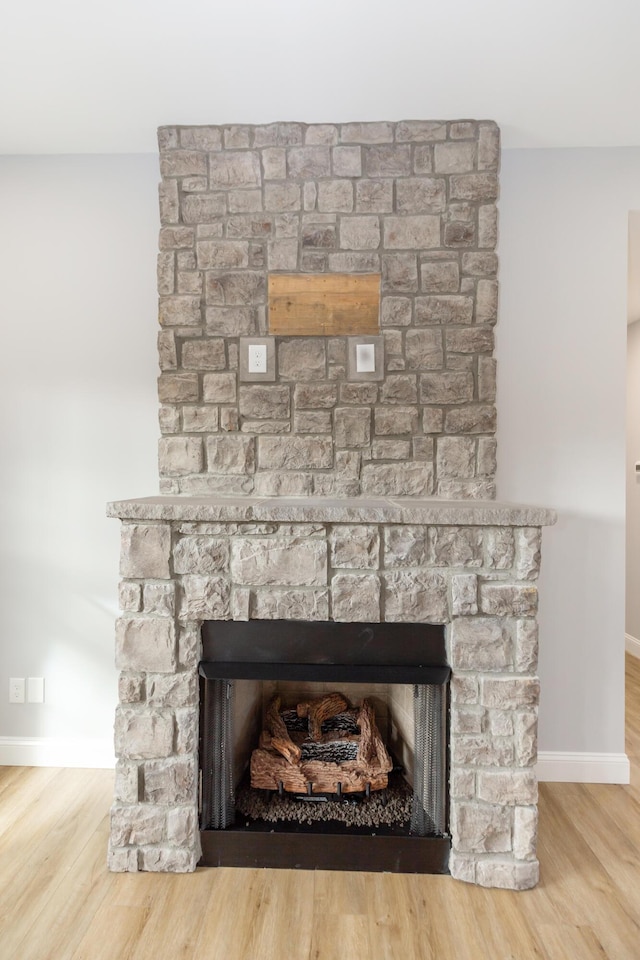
(333, 304)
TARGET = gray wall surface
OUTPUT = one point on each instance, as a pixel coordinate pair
(561, 347)
(79, 420)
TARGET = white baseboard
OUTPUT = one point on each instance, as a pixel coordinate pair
(632, 645)
(558, 767)
(56, 752)
(552, 766)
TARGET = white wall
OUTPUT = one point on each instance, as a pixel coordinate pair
(561, 402)
(632, 625)
(77, 424)
(78, 245)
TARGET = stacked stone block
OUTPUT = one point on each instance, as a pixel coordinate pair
(412, 201)
(479, 579)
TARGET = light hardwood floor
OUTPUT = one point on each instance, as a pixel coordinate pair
(57, 901)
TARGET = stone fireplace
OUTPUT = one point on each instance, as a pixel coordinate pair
(324, 493)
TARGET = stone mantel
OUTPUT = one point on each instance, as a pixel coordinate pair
(398, 510)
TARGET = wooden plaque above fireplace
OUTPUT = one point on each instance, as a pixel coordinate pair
(308, 305)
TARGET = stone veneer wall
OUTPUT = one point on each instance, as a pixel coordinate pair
(413, 201)
(180, 566)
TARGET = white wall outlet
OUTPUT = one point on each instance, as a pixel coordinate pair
(16, 689)
(35, 689)
(365, 358)
(257, 358)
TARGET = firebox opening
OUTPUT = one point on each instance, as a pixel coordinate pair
(374, 695)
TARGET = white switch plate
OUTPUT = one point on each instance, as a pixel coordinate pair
(16, 689)
(35, 689)
(257, 358)
(365, 358)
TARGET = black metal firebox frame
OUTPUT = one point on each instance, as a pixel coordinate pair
(322, 652)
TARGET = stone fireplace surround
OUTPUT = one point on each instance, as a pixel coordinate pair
(310, 497)
(471, 565)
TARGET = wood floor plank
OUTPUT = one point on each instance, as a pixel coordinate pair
(396, 927)
(31, 872)
(163, 914)
(69, 909)
(19, 783)
(287, 923)
(457, 939)
(115, 938)
(179, 939)
(340, 893)
(430, 902)
(615, 844)
(351, 931)
(578, 883)
(258, 913)
(9, 776)
(562, 941)
(33, 832)
(220, 932)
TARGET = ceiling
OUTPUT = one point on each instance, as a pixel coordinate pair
(98, 77)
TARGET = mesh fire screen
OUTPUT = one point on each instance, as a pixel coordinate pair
(429, 776)
(216, 762)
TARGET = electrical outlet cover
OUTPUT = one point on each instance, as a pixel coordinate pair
(16, 690)
(257, 359)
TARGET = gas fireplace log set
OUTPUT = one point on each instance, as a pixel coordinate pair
(327, 462)
(345, 756)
